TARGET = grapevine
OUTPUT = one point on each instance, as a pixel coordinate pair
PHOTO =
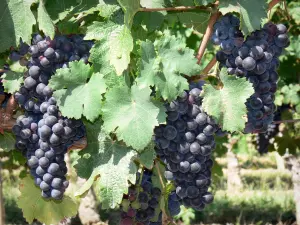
(185, 144)
(43, 134)
(256, 58)
(148, 87)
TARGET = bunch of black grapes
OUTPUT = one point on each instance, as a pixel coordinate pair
(141, 204)
(263, 140)
(255, 58)
(43, 134)
(185, 145)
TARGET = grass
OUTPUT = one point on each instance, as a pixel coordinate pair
(255, 207)
(260, 179)
(267, 197)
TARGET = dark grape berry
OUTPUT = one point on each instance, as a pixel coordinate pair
(187, 155)
(256, 59)
(44, 135)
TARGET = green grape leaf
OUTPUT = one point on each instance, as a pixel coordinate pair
(100, 30)
(203, 2)
(294, 11)
(44, 20)
(110, 159)
(251, 12)
(34, 206)
(187, 215)
(78, 90)
(227, 105)
(146, 158)
(16, 67)
(116, 44)
(161, 118)
(107, 7)
(130, 8)
(197, 20)
(121, 44)
(99, 56)
(287, 141)
(153, 3)
(152, 21)
(294, 47)
(7, 141)
(131, 114)
(182, 2)
(12, 81)
(16, 22)
(291, 94)
(59, 10)
(68, 26)
(163, 63)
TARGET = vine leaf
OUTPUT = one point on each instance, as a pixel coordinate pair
(34, 206)
(130, 8)
(107, 8)
(109, 159)
(99, 56)
(227, 105)
(131, 114)
(196, 20)
(44, 20)
(153, 3)
(12, 81)
(16, 22)
(115, 44)
(78, 90)
(152, 20)
(100, 30)
(7, 141)
(291, 94)
(163, 63)
(251, 12)
(121, 44)
(294, 8)
(183, 3)
(146, 158)
(58, 10)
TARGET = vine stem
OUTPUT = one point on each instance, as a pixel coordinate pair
(286, 121)
(273, 3)
(159, 174)
(286, 10)
(179, 8)
(163, 186)
(209, 65)
(213, 18)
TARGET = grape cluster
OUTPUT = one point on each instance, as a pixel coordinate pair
(256, 59)
(43, 134)
(263, 139)
(140, 206)
(226, 33)
(185, 144)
